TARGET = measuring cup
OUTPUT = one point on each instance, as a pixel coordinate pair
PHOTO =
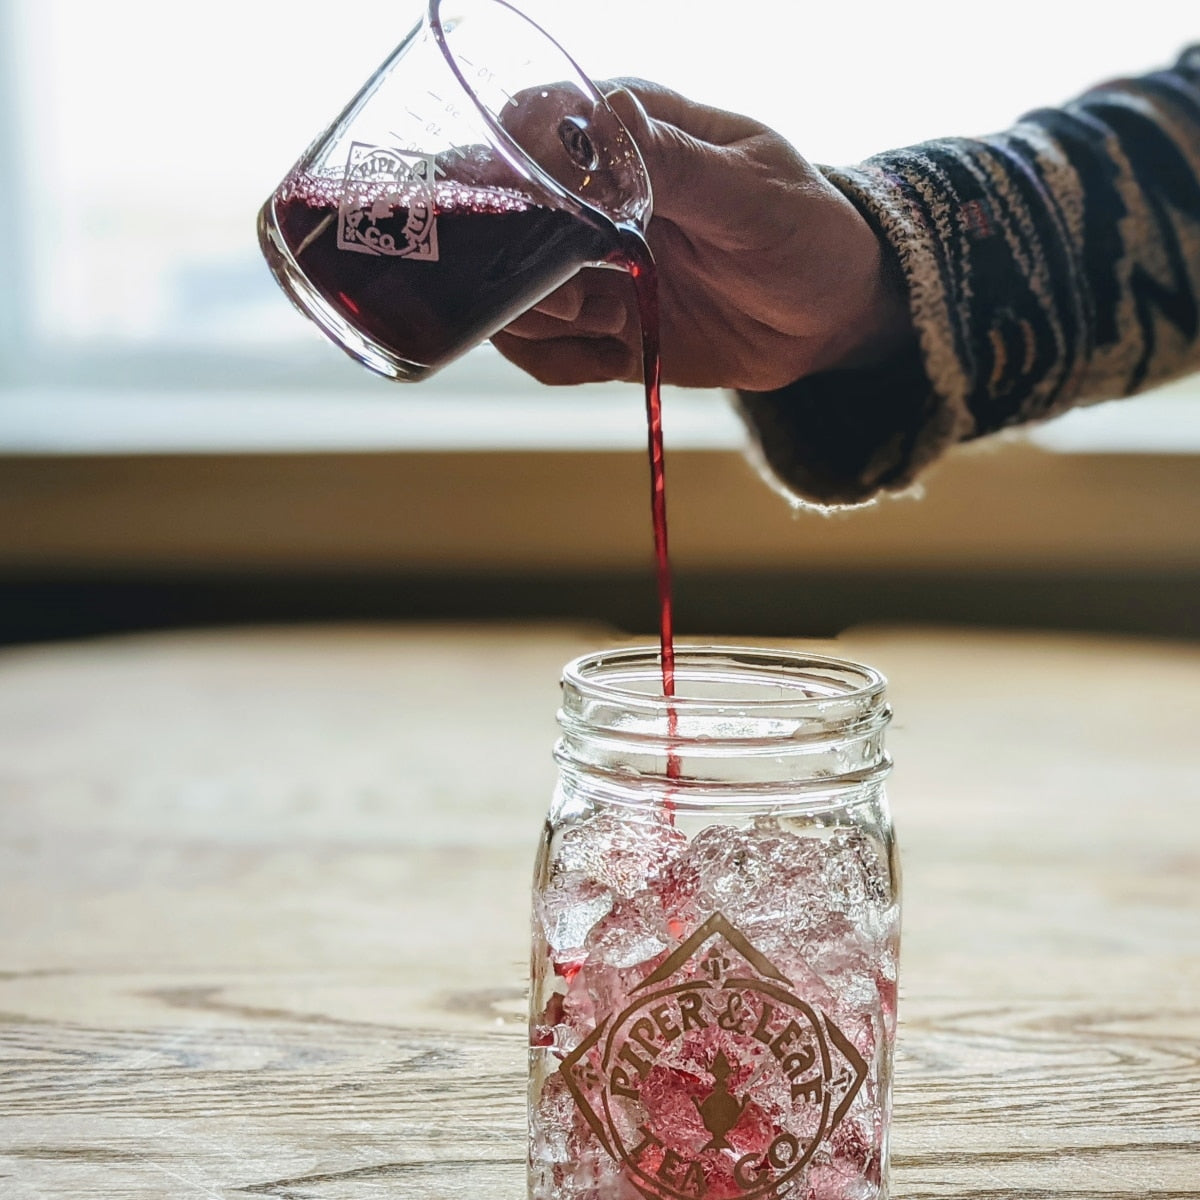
(476, 171)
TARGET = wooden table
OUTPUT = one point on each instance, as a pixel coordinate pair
(263, 912)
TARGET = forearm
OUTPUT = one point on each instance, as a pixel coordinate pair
(1053, 265)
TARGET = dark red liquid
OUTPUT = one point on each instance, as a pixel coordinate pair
(495, 254)
(634, 255)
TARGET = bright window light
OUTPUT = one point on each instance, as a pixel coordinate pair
(141, 138)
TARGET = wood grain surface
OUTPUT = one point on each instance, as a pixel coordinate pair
(263, 912)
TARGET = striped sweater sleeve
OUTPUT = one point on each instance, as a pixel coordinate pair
(1051, 266)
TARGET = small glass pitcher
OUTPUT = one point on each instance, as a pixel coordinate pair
(476, 171)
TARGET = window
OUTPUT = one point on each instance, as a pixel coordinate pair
(139, 139)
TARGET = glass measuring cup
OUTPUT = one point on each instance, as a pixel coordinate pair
(476, 171)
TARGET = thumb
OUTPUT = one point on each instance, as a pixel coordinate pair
(684, 169)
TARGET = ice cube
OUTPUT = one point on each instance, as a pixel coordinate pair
(632, 932)
(855, 874)
(620, 852)
(759, 877)
(569, 908)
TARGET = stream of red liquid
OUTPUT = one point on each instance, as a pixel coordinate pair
(634, 255)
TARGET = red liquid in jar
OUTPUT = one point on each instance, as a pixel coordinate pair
(677, 1056)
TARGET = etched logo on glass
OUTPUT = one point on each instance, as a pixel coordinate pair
(716, 1079)
(387, 204)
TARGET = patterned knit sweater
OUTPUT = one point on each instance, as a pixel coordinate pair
(1051, 266)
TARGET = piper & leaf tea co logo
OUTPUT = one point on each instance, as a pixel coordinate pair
(387, 205)
(780, 1074)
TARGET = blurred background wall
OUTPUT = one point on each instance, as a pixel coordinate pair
(178, 447)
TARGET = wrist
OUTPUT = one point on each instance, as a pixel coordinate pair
(879, 325)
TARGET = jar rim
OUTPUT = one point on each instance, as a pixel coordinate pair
(743, 720)
(796, 666)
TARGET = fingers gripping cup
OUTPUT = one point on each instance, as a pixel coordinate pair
(475, 172)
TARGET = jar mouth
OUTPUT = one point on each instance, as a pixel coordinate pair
(731, 680)
(742, 719)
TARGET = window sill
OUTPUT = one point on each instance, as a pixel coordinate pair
(460, 413)
(991, 506)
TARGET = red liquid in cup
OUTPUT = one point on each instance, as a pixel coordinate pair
(496, 253)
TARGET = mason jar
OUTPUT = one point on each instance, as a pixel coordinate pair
(716, 922)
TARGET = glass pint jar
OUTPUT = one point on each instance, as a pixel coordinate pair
(716, 926)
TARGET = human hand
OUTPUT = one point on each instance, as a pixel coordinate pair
(766, 272)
